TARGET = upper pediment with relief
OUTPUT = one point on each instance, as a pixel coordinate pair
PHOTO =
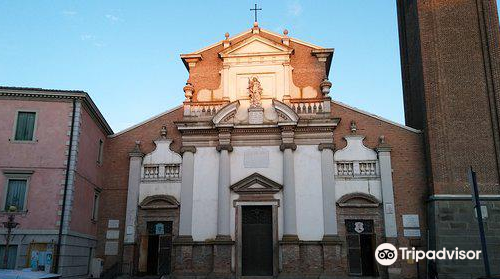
(256, 46)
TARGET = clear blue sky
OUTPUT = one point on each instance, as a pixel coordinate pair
(126, 53)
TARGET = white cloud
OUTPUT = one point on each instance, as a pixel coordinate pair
(99, 44)
(86, 37)
(91, 39)
(69, 13)
(294, 8)
(113, 18)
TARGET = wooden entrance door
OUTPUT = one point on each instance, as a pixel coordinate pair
(159, 247)
(257, 240)
(360, 244)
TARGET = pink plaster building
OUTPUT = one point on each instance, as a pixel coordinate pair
(51, 156)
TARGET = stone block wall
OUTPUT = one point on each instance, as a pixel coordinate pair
(456, 226)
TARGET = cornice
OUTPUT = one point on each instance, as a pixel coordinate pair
(40, 93)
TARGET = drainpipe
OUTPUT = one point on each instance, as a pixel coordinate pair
(66, 181)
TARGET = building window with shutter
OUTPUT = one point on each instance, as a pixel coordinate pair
(95, 207)
(100, 152)
(15, 193)
(25, 126)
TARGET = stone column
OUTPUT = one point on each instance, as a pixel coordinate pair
(328, 187)
(134, 180)
(290, 241)
(183, 244)
(223, 243)
(186, 211)
(384, 158)
(223, 192)
(289, 202)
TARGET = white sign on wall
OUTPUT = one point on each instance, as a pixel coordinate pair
(256, 157)
(411, 232)
(411, 225)
(112, 234)
(111, 248)
(113, 224)
(411, 221)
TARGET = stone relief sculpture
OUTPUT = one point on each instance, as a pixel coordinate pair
(255, 92)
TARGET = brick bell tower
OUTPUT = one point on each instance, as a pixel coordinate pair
(450, 57)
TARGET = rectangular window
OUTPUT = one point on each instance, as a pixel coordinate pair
(101, 149)
(95, 208)
(25, 126)
(12, 254)
(16, 194)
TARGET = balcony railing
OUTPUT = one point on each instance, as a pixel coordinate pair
(357, 169)
(161, 172)
(199, 109)
(304, 106)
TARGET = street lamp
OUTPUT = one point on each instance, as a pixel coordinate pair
(9, 225)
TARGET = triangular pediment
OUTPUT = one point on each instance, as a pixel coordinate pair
(256, 45)
(256, 184)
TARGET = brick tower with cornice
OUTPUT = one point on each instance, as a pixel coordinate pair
(451, 78)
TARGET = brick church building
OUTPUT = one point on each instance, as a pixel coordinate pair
(260, 172)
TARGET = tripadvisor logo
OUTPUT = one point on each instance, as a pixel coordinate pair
(387, 254)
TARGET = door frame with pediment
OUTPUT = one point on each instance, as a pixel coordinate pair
(256, 190)
(157, 208)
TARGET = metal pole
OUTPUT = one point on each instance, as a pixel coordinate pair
(6, 251)
(9, 225)
(477, 205)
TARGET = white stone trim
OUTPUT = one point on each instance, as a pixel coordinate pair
(377, 117)
(145, 121)
(73, 153)
(250, 31)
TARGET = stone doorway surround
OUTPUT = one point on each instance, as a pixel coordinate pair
(157, 208)
(256, 190)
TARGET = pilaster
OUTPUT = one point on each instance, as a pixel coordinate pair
(384, 157)
(328, 189)
(186, 211)
(134, 180)
(289, 201)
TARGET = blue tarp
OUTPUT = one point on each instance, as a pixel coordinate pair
(26, 274)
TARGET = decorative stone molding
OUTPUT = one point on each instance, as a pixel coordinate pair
(159, 202)
(285, 111)
(255, 28)
(358, 200)
(330, 146)
(226, 43)
(285, 40)
(190, 60)
(322, 54)
(224, 113)
(383, 146)
(136, 151)
(325, 86)
(188, 91)
(191, 149)
(285, 146)
(227, 147)
(256, 184)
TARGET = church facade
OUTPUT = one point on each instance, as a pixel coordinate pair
(260, 173)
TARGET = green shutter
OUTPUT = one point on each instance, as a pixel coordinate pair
(11, 261)
(16, 193)
(25, 125)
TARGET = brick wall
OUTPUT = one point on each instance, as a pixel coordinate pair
(116, 158)
(451, 72)
(308, 71)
